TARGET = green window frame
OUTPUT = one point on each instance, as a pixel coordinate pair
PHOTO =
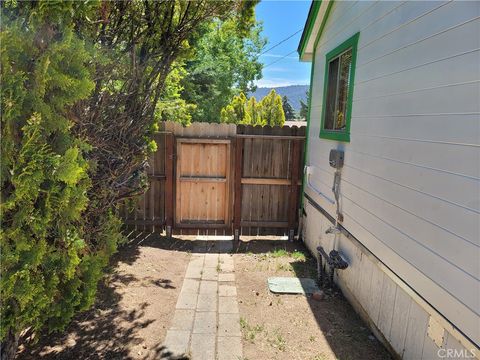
(342, 134)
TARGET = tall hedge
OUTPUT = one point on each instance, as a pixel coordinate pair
(81, 81)
(48, 271)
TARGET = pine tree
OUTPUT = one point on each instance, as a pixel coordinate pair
(304, 108)
(254, 112)
(288, 109)
(228, 115)
(268, 111)
(236, 111)
(272, 110)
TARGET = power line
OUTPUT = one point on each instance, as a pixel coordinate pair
(281, 42)
(283, 57)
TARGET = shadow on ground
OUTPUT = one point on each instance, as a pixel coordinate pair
(109, 332)
(347, 335)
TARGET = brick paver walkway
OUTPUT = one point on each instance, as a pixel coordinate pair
(206, 323)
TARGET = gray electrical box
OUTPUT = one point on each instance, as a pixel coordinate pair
(336, 158)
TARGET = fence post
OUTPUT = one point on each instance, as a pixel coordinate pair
(237, 209)
(292, 211)
(169, 166)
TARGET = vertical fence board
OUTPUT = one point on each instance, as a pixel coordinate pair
(237, 213)
(293, 189)
(169, 157)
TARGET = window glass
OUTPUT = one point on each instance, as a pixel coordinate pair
(338, 84)
(331, 93)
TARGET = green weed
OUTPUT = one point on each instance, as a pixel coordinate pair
(279, 253)
(250, 332)
(278, 341)
(284, 267)
(298, 255)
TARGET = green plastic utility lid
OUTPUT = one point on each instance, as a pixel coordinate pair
(292, 285)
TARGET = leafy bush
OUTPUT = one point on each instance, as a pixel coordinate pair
(49, 270)
(81, 81)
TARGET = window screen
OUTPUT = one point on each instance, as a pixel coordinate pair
(337, 91)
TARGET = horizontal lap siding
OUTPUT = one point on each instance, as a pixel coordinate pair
(410, 184)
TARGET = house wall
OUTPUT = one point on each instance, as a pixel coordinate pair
(410, 189)
(397, 316)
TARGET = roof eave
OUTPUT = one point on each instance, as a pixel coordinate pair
(317, 14)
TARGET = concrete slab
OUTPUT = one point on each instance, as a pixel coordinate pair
(227, 290)
(210, 274)
(227, 305)
(202, 347)
(229, 348)
(194, 270)
(208, 287)
(183, 320)
(205, 323)
(227, 268)
(211, 260)
(227, 263)
(224, 258)
(190, 286)
(226, 277)
(197, 258)
(187, 301)
(207, 302)
(176, 343)
(229, 325)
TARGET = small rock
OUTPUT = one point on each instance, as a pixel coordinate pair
(257, 293)
(144, 346)
(318, 295)
(270, 304)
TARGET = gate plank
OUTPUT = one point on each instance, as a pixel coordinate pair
(169, 189)
(294, 186)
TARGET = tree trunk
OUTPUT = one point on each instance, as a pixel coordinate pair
(9, 345)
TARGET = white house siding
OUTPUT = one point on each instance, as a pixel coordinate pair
(398, 316)
(410, 188)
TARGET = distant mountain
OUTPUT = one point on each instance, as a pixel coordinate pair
(294, 93)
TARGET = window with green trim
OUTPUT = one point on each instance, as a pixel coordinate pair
(338, 90)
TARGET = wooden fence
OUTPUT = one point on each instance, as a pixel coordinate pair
(219, 179)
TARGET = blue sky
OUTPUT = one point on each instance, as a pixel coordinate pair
(280, 20)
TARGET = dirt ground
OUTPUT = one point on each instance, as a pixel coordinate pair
(136, 302)
(294, 326)
(133, 311)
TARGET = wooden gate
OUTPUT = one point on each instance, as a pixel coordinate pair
(202, 183)
(219, 179)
